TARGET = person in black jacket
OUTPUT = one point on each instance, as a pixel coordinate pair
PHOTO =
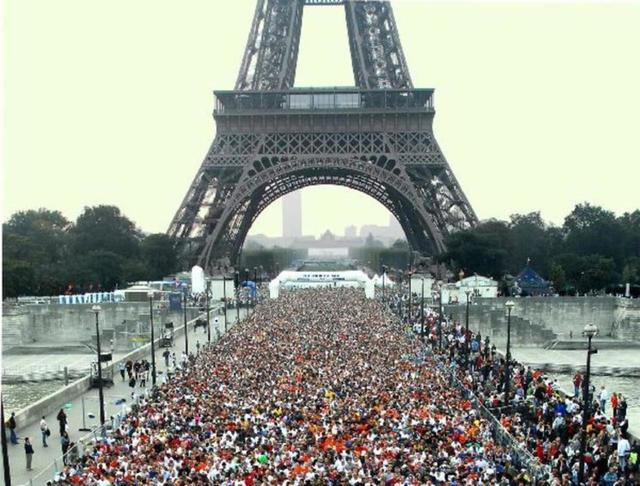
(28, 450)
(62, 420)
(11, 424)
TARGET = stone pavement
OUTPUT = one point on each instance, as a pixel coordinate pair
(43, 458)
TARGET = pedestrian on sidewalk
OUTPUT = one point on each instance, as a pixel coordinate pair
(166, 355)
(129, 367)
(198, 346)
(121, 369)
(11, 423)
(28, 450)
(577, 381)
(604, 396)
(44, 429)
(62, 421)
(64, 443)
(614, 405)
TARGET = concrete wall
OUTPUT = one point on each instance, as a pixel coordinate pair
(537, 320)
(627, 319)
(51, 324)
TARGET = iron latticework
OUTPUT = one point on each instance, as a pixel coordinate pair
(273, 139)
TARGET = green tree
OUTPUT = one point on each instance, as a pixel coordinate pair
(599, 273)
(160, 255)
(631, 271)
(105, 228)
(37, 236)
(483, 250)
(591, 230)
(558, 277)
(104, 267)
(530, 240)
(34, 242)
(400, 244)
(18, 278)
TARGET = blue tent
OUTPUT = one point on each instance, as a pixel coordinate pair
(529, 282)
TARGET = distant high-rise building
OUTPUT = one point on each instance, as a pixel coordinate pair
(350, 232)
(292, 215)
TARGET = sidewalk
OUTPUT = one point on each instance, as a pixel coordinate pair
(43, 457)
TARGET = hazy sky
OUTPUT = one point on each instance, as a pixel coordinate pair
(537, 105)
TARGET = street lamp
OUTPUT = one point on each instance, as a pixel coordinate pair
(589, 331)
(5, 449)
(206, 298)
(246, 272)
(466, 328)
(509, 305)
(422, 312)
(237, 290)
(96, 310)
(410, 293)
(153, 344)
(224, 299)
(440, 318)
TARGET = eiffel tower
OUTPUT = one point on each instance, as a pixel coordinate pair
(273, 139)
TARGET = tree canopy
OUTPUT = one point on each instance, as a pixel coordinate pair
(45, 254)
(592, 251)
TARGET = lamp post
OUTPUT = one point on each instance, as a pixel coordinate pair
(466, 329)
(237, 280)
(224, 300)
(507, 375)
(589, 331)
(422, 312)
(184, 317)
(153, 344)
(5, 450)
(206, 299)
(96, 310)
(246, 273)
(410, 294)
(440, 318)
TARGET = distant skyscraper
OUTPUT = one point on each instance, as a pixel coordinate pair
(350, 232)
(292, 215)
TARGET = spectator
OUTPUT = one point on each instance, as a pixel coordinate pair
(11, 424)
(44, 430)
(62, 421)
(28, 451)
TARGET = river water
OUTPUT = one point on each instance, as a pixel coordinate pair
(21, 395)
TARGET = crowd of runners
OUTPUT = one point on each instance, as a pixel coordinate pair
(316, 387)
(328, 387)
